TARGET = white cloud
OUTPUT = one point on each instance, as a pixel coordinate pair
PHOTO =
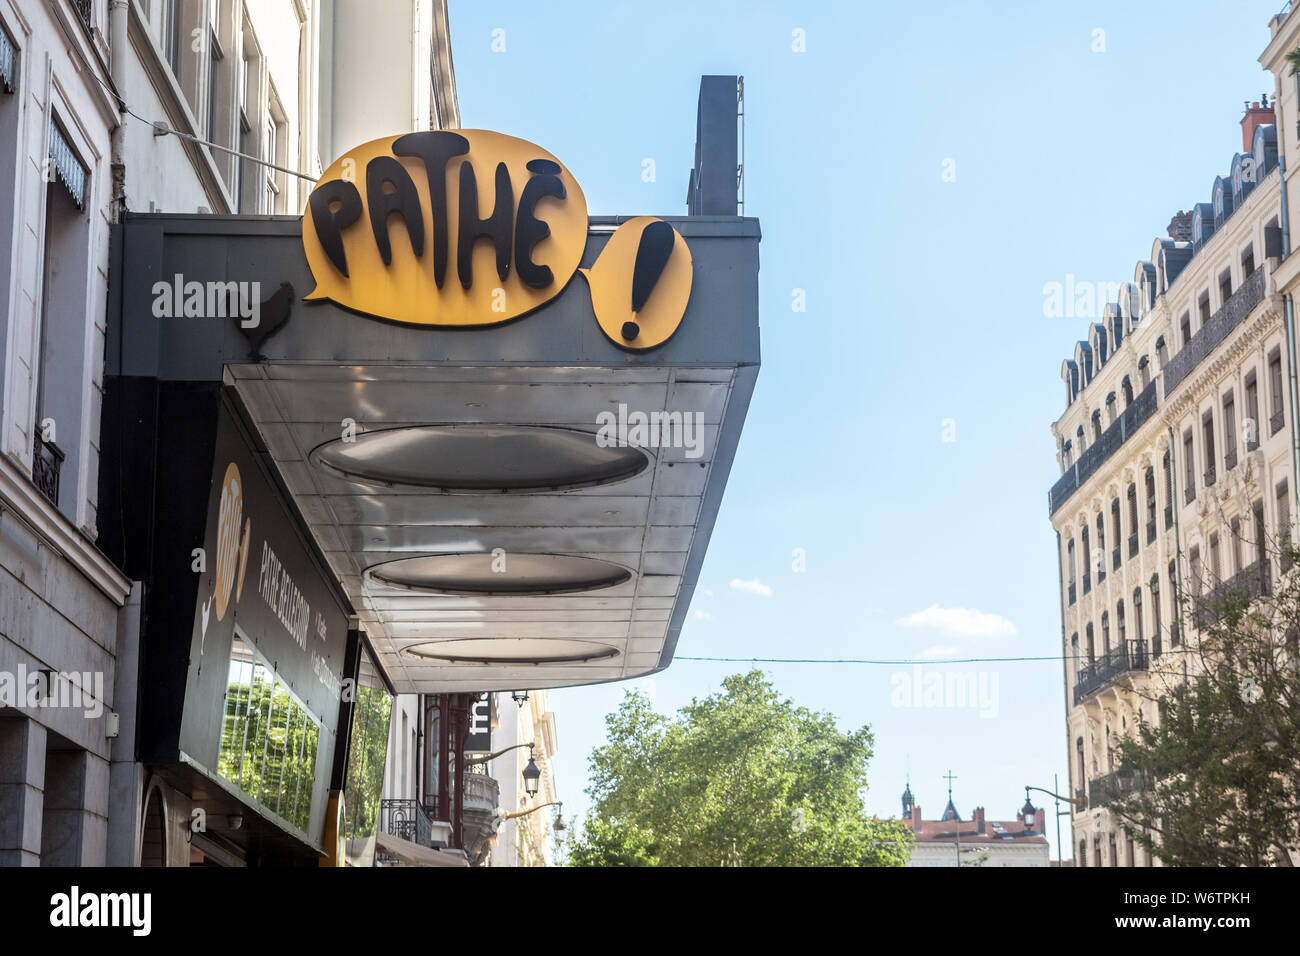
(752, 586)
(938, 651)
(960, 622)
(708, 592)
(703, 616)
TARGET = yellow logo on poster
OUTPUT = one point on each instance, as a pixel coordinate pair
(444, 228)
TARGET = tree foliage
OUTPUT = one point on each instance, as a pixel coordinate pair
(1216, 780)
(742, 777)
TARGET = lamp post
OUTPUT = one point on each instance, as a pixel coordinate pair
(532, 775)
(1059, 812)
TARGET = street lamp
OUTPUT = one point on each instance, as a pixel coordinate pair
(1080, 804)
(532, 775)
(520, 697)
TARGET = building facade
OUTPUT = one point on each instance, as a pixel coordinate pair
(1178, 463)
(109, 107)
(952, 841)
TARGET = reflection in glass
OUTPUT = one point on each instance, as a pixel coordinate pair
(269, 739)
(367, 751)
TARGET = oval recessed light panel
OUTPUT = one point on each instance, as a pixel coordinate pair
(480, 458)
(504, 573)
(523, 650)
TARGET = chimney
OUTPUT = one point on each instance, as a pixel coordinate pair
(916, 819)
(1256, 116)
(979, 819)
(1040, 821)
(1180, 227)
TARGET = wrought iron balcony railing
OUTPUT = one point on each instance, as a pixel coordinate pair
(1127, 657)
(1114, 786)
(1275, 423)
(1247, 584)
(47, 463)
(1138, 411)
(1213, 332)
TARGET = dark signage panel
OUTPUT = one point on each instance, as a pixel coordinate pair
(267, 648)
(479, 737)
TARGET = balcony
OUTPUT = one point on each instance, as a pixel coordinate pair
(1114, 786)
(482, 794)
(1275, 423)
(47, 463)
(408, 820)
(1246, 585)
(1138, 411)
(1127, 657)
(85, 11)
(1212, 333)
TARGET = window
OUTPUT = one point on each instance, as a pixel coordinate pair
(1096, 426)
(1203, 306)
(1250, 425)
(1194, 562)
(1092, 650)
(1175, 632)
(1087, 560)
(1284, 522)
(1074, 649)
(1235, 527)
(1275, 390)
(1189, 467)
(1105, 632)
(215, 57)
(1166, 464)
(1083, 853)
(58, 371)
(1247, 263)
(1069, 550)
(1101, 548)
(1133, 520)
(173, 34)
(1137, 612)
(1150, 483)
(1157, 637)
(269, 739)
(1261, 554)
(1127, 388)
(1119, 622)
(1229, 433)
(1214, 558)
(1119, 535)
(1185, 327)
(271, 156)
(1207, 437)
(1225, 286)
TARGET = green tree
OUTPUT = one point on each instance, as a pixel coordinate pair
(1215, 781)
(742, 777)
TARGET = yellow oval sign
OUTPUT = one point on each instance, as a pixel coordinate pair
(444, 227)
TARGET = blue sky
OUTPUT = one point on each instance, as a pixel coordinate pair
(924, 303)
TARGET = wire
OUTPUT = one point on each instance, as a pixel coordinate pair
(159, 127)
(898, 661)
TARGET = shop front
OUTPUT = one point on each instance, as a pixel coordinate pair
(445, 433)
